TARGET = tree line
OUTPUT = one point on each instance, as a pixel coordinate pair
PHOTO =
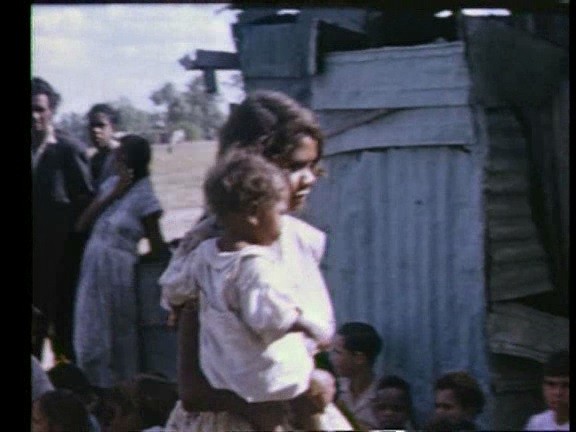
(194, 111)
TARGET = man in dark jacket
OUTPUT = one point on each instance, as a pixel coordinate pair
(61, 189)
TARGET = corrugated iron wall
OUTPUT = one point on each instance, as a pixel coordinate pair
(405, 217)
(407, 257)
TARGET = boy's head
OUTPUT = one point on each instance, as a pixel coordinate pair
(45, 101)
(393, 403)
(356, 346)
(556, 382)
(102, 123)
(248, 195)
(458, 396)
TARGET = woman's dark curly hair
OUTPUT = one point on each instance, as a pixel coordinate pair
(242, 181)
(269, 123)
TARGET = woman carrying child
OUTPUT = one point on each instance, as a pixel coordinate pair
(286, 134)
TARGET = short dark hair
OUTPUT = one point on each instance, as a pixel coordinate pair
(393, 381)
(102, 108)
(242, 181)
(465, 388)
(63, 408)
(558, 364)
(41, 86)
(70, 377)
(361, 337)
(138, 152)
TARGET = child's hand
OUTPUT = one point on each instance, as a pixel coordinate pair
(173, 316)
(322, 389)
(325, 344)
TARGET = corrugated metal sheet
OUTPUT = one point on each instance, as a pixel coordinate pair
(522, 331)
(519, 264)
(297, 88)
(394, 77)
(349, 18)
(405, 253)
(402, 206)
(274, 51)
(406, 127)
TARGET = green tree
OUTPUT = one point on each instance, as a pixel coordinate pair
(193, 110)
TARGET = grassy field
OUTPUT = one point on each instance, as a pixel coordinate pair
(177, 177)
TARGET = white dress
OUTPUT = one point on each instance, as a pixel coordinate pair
(105, 315)
(300, 248)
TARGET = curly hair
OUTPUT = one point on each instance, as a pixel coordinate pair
(465, 388)
(41, 86)
(242, 181)
(269, 123)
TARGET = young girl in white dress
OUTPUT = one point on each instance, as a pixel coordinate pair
(261, 321)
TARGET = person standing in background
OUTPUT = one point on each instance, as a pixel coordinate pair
(125, 211)
(103, 121)
(556, 391)
(61, 189)
(458, 399)
(355, 348)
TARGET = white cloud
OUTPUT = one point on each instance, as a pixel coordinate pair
(97, 53)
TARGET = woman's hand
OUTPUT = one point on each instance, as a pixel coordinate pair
(322, 388)
(173, 316)
(320, 393)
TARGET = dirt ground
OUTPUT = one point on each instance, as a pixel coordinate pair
(177, 176)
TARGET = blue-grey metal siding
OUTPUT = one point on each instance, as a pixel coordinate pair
(405, 253)
(402, 204)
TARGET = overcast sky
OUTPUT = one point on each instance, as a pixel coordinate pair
(98, 53)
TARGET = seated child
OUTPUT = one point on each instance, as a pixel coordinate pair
(393, 403)
(556, 391)
(458, 397)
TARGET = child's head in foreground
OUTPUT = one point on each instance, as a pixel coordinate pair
(392, 405)
(556, 382)
(458, 396)
(248, 195)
